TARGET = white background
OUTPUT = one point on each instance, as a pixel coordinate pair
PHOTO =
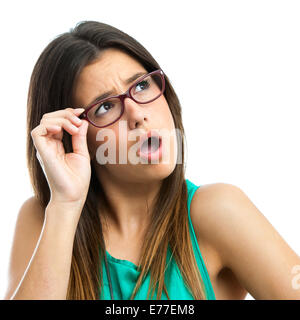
(234, 65)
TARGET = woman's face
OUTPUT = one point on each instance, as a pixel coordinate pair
(108, 73)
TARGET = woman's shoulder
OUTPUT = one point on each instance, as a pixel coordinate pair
(212, 213)
(31, 214)
(211, 198)
(27, 231)
(210, 208)
(31, 203)
(245, 241)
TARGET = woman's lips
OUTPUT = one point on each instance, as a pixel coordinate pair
(151, 156)
(148, 154)
(150, 133)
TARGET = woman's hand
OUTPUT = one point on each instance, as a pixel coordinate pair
(68, 174)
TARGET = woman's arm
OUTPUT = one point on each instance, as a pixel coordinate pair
(247, 243)
(42, 251)
(47, 236)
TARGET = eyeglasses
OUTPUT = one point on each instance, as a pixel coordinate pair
(107, 111)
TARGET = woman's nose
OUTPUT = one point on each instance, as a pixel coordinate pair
(135, 113)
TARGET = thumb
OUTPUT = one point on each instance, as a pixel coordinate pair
(79, 140)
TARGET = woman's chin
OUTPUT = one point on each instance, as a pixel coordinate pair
(157, 171)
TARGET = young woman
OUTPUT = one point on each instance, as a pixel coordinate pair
(98, 229)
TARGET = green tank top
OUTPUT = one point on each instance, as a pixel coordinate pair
(124, 273)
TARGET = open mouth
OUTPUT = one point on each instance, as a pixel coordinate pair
(151, 145)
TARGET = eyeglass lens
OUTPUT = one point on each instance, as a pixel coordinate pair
(109, 110)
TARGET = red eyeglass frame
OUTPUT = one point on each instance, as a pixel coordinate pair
(123, 96)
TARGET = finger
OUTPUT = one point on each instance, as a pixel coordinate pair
(79, 140)
(73, 116)
(68, 113)
(44, 129)
(62, 122)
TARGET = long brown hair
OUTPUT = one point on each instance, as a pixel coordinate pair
(51, 87)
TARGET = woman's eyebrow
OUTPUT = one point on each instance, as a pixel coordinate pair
(128, 81)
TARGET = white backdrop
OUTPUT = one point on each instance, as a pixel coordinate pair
(234, 65)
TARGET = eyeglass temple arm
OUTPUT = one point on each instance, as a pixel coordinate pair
(82, 116)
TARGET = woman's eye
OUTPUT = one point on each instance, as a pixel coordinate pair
(143, 84)
(106, 107)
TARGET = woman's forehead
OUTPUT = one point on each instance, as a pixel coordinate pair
(111, 66)
(109, 72)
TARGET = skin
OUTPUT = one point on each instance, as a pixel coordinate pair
(233, 235)
(241, 249)
(127, 186)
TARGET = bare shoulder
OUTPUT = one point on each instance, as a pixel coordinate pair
(30, 218)
(208, 210)
(210, 202)
(245, 241)
(28, 227)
